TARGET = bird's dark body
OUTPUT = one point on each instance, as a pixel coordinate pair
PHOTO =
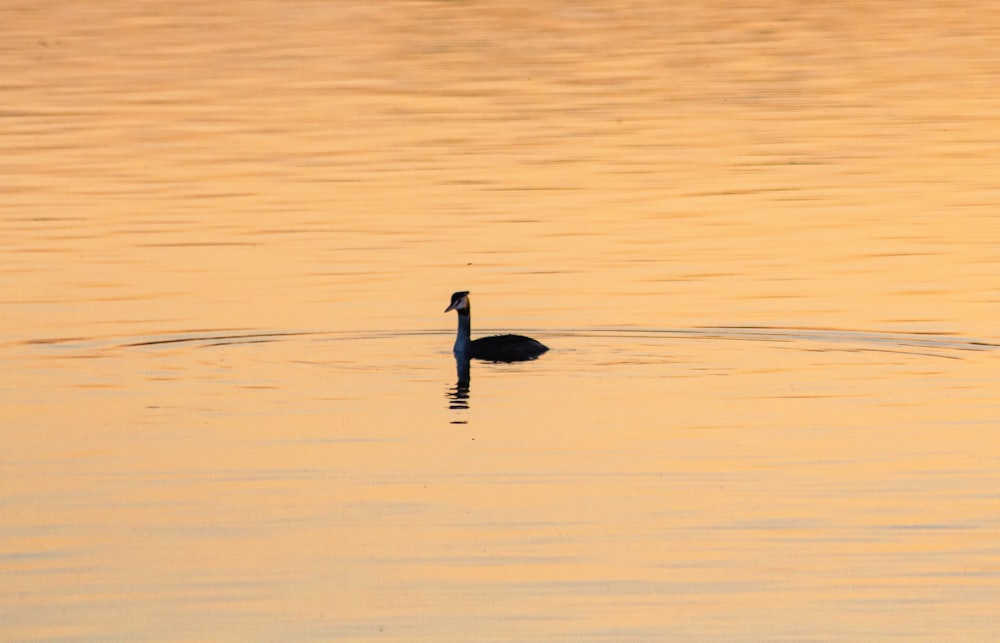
(498, 348)
(506, 348)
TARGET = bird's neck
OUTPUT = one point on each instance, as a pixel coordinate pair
(464, 331)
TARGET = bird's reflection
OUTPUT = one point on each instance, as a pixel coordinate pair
(459, 393)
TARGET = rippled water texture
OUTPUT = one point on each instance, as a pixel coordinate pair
(760, 239)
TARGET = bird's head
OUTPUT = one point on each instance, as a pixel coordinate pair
(459, 301)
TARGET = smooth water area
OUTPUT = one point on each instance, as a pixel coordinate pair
(759, 238)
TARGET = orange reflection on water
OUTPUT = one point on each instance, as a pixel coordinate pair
(226, 372)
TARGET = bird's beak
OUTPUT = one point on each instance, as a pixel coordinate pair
(450, 307)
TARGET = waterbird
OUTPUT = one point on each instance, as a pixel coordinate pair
(498, 348)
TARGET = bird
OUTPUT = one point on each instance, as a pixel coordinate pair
(498, 348)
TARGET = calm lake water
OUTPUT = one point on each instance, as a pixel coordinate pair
(760, 238)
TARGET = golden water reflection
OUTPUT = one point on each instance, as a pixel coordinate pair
(760, 240)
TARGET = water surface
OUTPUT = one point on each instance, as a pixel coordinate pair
(760, 240)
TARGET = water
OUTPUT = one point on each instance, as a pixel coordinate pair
(759, 240)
